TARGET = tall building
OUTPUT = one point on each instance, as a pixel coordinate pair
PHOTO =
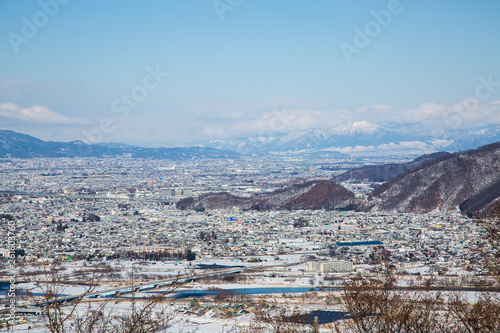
(187, 192)
(169, 192)
(331, 266)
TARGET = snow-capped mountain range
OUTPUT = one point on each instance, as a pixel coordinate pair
(364, 139)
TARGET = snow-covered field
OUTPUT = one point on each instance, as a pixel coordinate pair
(284, 271)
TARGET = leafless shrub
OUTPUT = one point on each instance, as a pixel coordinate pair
(490, 223)
(60, 314)
(380, 307)
(481, 315)
(277, 318)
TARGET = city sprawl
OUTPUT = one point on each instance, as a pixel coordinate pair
(119, 215)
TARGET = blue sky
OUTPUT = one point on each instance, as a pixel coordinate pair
(236, 67)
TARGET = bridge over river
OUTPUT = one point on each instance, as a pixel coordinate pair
(117, 291)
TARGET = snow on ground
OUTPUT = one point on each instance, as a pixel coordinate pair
(282, 271)
(207, 324)
(62, 289)
(422, 270)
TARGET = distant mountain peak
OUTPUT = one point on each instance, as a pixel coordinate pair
(365, 139)
(359, 127)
